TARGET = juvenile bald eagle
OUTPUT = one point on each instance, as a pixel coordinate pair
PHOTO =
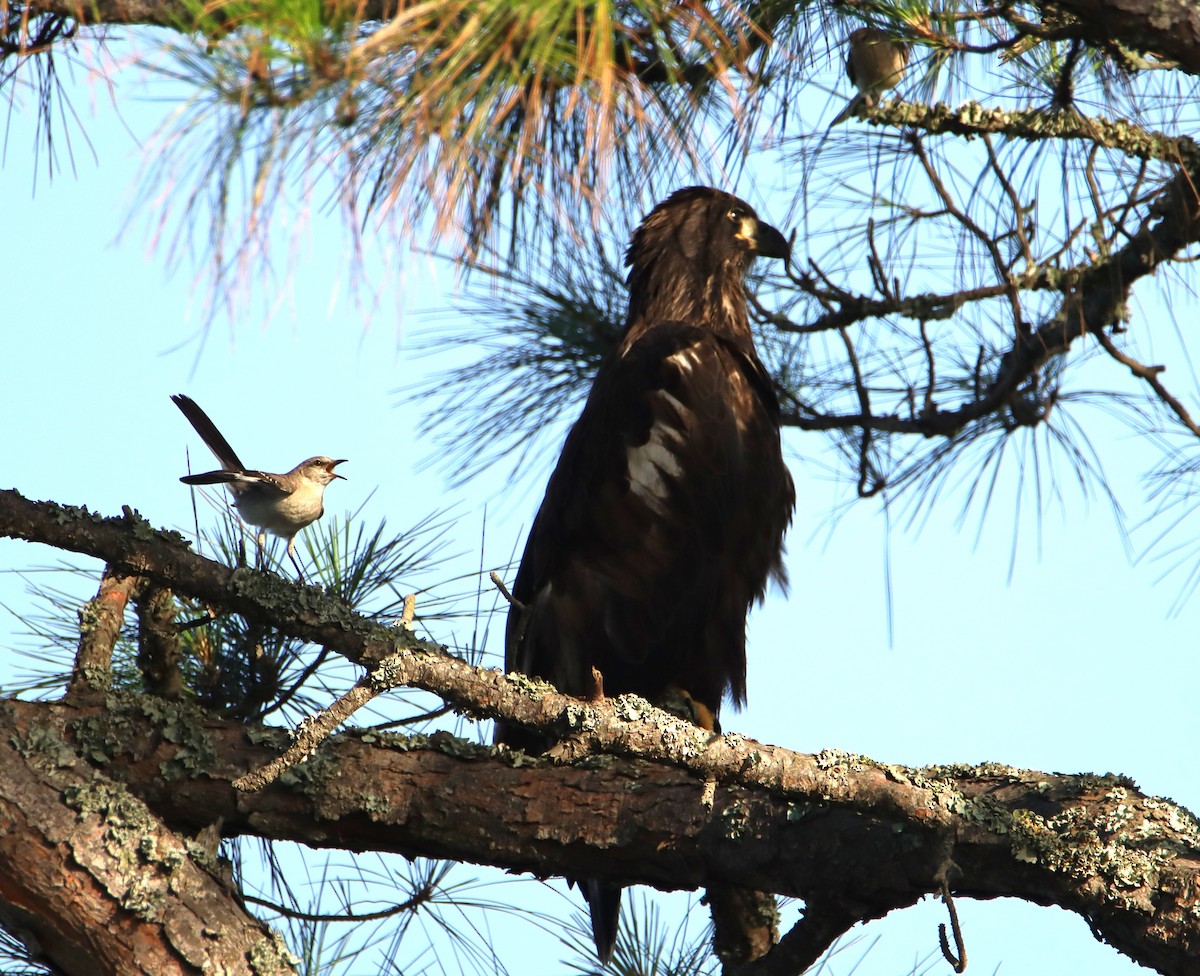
(665, 516)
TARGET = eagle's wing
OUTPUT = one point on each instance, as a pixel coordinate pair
(660, 525)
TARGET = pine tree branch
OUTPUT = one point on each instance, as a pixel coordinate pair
(96, 883)
(174, 14)
(1037, 124)
(1170, 29)
(853, 836)
(100, 623)
(1095, 845)
(1094, 298)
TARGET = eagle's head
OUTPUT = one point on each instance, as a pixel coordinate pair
(708, 228)
(688, 260)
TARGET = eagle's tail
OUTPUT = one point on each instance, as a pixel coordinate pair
(604, 903)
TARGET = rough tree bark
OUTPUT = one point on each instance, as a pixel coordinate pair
(94, 882)
(854, 838)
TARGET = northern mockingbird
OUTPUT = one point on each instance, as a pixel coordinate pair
(875, 62)
(281, 504)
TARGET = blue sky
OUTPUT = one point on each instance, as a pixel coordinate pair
(1075, 664)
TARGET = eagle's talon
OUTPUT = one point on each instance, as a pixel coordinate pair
(681, 702)
(570, 749)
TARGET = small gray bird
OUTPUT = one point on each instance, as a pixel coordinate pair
(281, 504)
(875, 62)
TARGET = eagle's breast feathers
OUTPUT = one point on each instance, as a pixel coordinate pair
(661, 525)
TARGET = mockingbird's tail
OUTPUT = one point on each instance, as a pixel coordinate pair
(208, 433)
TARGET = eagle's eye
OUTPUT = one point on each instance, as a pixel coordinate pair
(735, 215)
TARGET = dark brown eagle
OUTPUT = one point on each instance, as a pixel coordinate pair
(665, 516)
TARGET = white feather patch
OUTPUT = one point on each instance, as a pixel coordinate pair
(743, 398)
(685, 359)
(653, 463)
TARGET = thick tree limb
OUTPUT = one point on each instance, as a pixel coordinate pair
(627, 725)
(853, 837)
(1130, 864)
(1169, 28)
(93, 880)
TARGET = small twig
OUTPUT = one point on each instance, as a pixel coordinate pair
(1127, 206)
(499, 583)
(414, 719)
(515, 636)
(932, 368)
(210, 615)
(875, 263)
(865, 472)
(577, 745)
(424, 894)
(1019, 210)
(309, 734)
(597, 685)
(959, 961)
(969, 225)
(1150, 375)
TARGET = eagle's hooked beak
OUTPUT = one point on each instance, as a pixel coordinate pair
(763, 239)
(767, 242)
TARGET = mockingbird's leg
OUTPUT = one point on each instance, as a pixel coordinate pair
(291, 548)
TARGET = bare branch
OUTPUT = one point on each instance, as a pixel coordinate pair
(957, 958)
(1093, 298)
(311, 732)
(100, 622)
(1150, 375)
